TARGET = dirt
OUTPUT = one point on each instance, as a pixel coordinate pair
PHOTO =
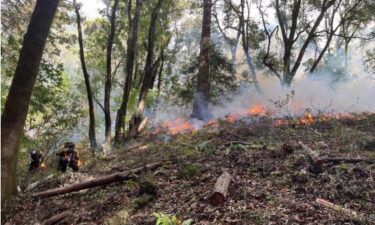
(272, 179)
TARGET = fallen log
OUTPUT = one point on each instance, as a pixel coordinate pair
(220, 190)
(96, 182)
(344, 160)
(316, 164)
(56, 218)
(330, 205)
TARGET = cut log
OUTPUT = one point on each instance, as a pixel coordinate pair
(221, 189)
(54, 219)
(330, 205)
(96, 182)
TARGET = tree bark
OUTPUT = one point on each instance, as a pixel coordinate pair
(92, 134)
(132, 47)
(108, 81)
(200, 105)
(149, 74)
(95, 182)
(221, 189)
(17, 103)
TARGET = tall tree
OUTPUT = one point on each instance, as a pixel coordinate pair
(92, 136)
(149, 74)
(131, 51)
(17, 103)
(291, 31)
(108, 80)
(200, 105)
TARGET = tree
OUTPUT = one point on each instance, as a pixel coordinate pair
(131, 53)
(292, 25)
(149, 74)
(108, 80)
(17, 103)
(92, 136)
(200, 105)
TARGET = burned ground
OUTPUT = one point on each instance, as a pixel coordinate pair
(271, 179)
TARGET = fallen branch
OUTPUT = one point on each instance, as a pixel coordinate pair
(343, 160)
(330, 205)
(54, 219)
(96, 182)
(221, 189)
(316, 165)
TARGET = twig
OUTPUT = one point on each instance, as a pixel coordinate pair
(330, 205)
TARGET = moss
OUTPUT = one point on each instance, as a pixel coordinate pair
(148, 186)
(342, 167)
(188, 170)
(142, 201)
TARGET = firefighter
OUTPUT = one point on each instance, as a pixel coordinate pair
(68, 157)
(36, 160)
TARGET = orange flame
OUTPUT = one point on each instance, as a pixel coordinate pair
(43, 165)
(257, 110)
(177, 125)
(232, 117)
(307, 119)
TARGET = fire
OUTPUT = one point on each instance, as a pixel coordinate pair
(211, 124)
(257, 110)
(280, 122)
(80, 162)
(307, 119)
(43, 165)
(232, 117)
(177, 125)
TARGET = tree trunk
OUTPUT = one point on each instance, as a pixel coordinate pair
(149, 74)
(200, 105)
(92, 135)
(132, 45)
(108, 81)
(249, 61)
(17, 103)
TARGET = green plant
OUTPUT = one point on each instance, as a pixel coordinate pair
(164, 219)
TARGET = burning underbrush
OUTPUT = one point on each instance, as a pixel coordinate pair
(253, 114)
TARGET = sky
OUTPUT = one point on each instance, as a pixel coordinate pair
(90, 8)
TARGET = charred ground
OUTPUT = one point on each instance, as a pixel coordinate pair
(271, 180)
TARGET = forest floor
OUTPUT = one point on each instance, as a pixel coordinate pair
(272, 182)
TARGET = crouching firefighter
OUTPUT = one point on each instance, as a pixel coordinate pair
(68, 157)
(36, 160)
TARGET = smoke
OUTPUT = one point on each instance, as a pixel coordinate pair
(329, 91)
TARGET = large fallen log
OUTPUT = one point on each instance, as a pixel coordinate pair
(96, 182)
(56, 218)
(330, 205)
(221, 189)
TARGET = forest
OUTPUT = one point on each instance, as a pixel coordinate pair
(178, 112)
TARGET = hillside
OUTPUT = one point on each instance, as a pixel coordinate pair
(275, 179)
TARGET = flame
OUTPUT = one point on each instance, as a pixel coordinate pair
(280, 122)
(43, 165)
(257, 110)
(211, 124)
(80, 162)
(307, 119)
(177, 125)
(232, 117)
